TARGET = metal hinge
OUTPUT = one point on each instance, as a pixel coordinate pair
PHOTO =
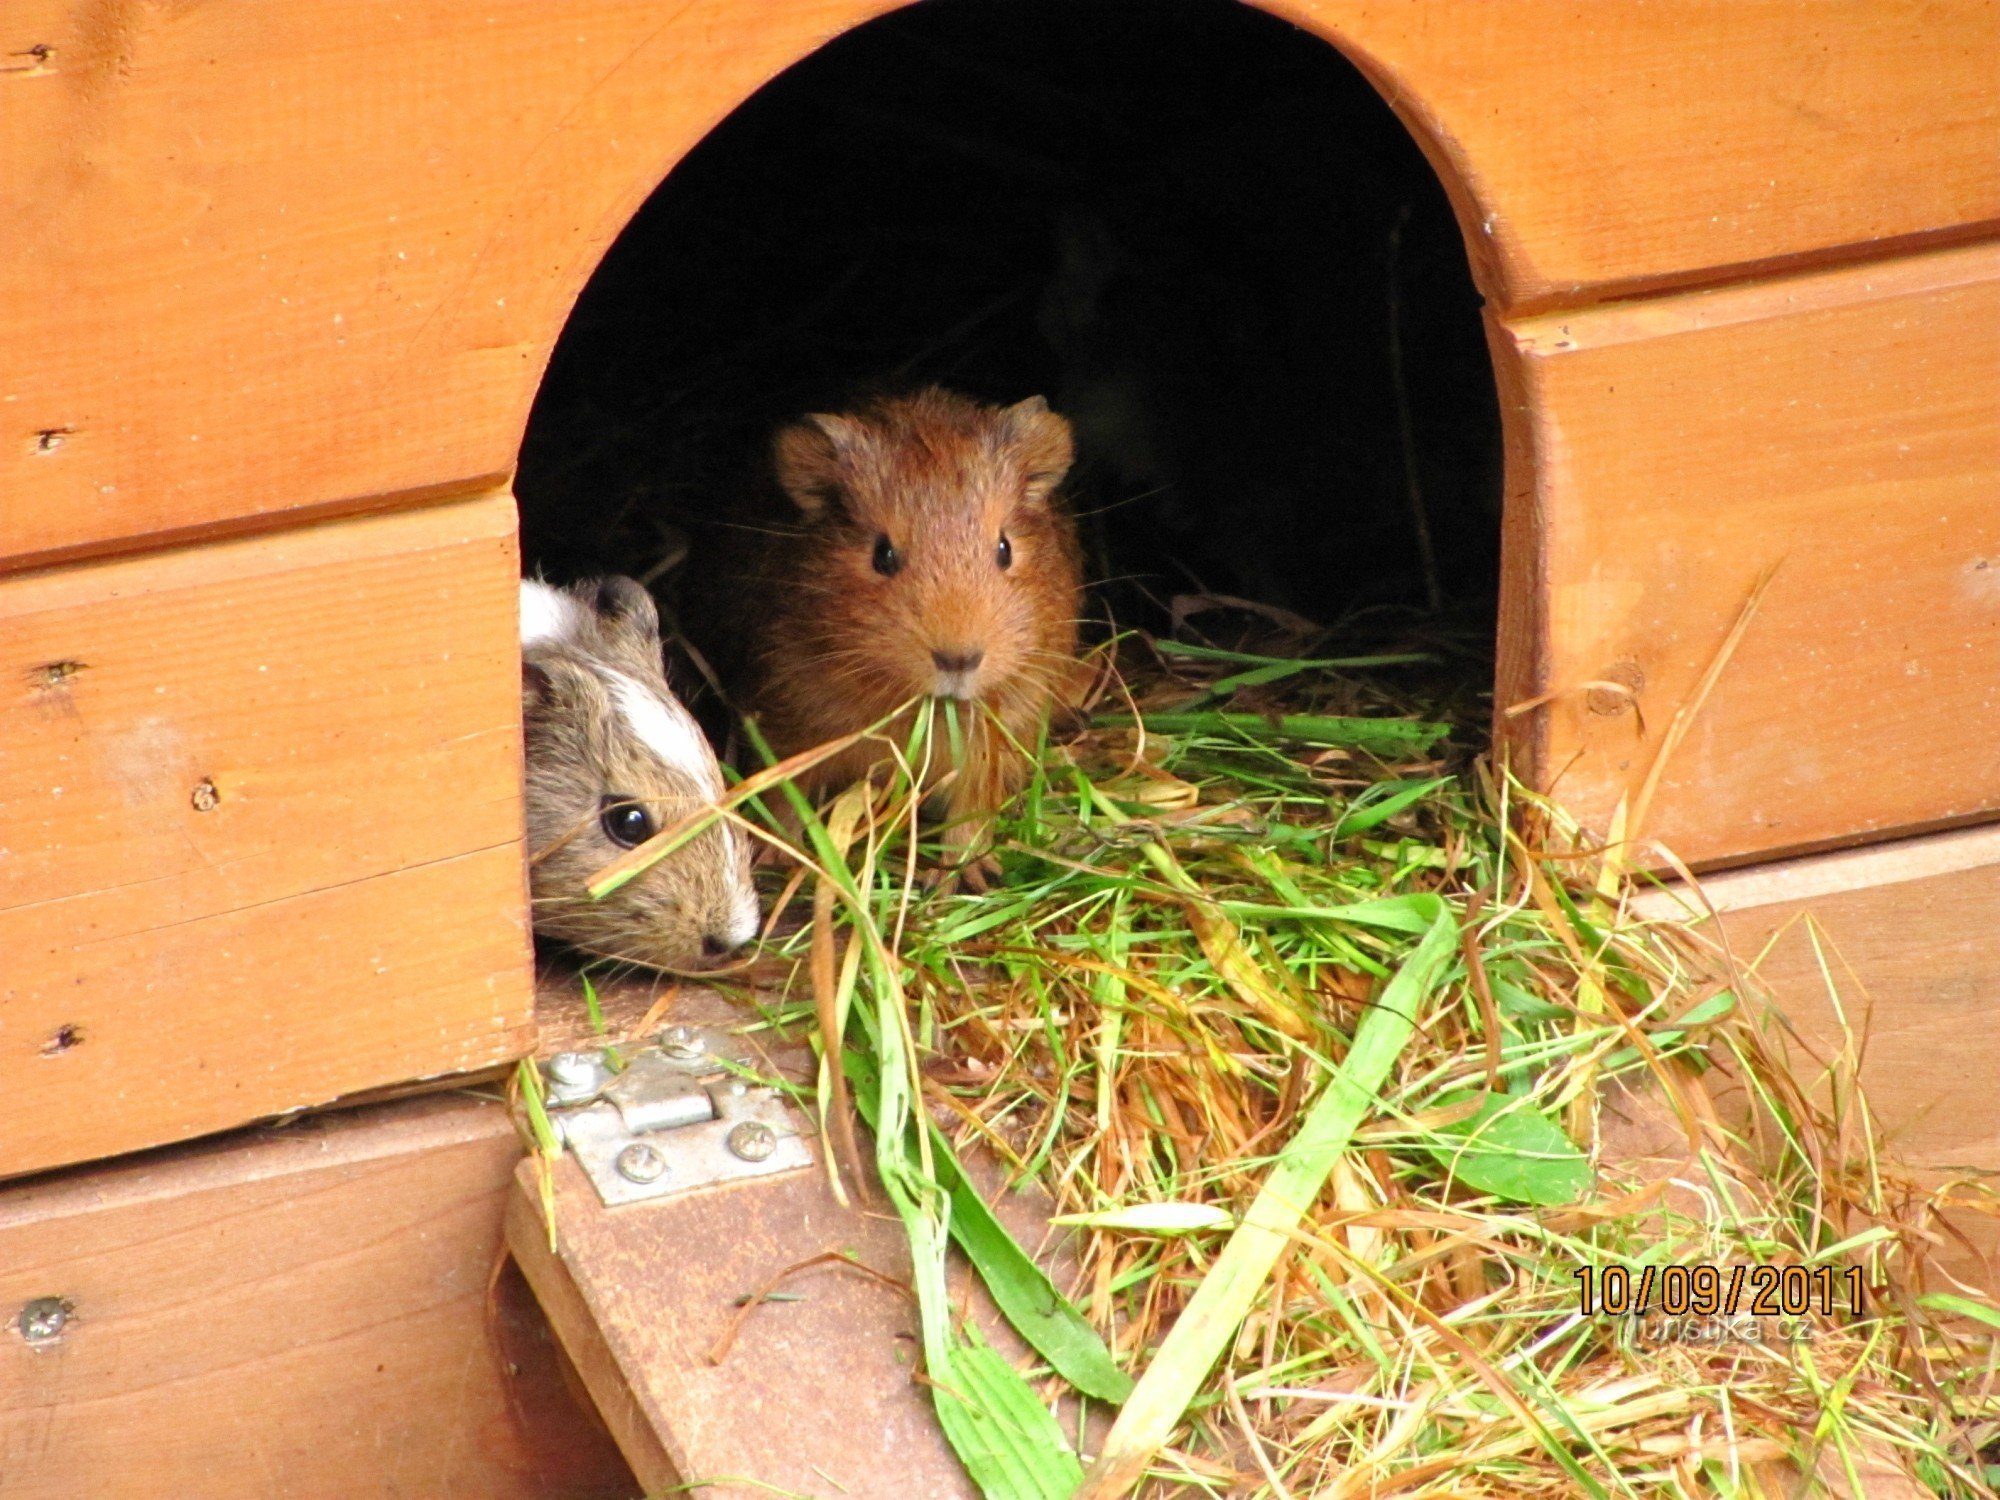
(675, 1116)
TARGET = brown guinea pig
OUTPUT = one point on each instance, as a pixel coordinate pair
(927, 553)
(612, 758)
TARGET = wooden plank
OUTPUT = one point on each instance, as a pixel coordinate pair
(292, 254)
(1598, 147)
(289, 253)
(640, 1296)
(1841, 427)
(584, 1342)
(261, 813)
(1902, 939)
(306, 1312)
(1822, 876)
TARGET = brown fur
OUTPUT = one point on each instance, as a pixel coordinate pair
(581, 750)
(831, 645)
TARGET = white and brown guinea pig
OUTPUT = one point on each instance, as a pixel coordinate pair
(926, 553)
(612, 758)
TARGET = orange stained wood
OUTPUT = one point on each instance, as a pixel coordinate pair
(260, 807)
(309, 1313)
(814, 1392)
(1601, 146)
(1886, 952)
(647, 1298)
(1842, 428)
(273, 256)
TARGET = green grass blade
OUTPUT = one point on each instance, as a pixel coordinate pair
(1038, 1311)
(1213, 1315)
(1390, 736)
(1382, 802)
(1023, 1292)
(1331, 663)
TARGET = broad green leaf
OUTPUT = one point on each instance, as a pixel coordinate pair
(1021, 1290)
(1214, 1314)
(1008, 1441)
(1513, 1151)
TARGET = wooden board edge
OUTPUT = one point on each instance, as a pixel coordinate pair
(461, 516)
(527, 1238)
(1800, 293)
(1817, 876)
(279, 1147)
(258, 523)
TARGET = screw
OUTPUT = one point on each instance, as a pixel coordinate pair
(682, 1042)
(641, 1163)
(44, 1319)
(753, 1140)
(205, 796)
(1607, 698)
(573, 1070)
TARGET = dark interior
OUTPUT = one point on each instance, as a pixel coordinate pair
(1195, 228)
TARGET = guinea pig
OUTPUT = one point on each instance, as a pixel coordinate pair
(927, 552)
(612, 758)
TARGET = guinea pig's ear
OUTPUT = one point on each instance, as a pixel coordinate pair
(550, 685)
(810, 458)
(624, 603)
(1041, 443)
(537, 687)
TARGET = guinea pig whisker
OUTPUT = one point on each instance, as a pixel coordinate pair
(1107, 508)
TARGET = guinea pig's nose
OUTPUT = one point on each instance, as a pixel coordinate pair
(962, 659)
(713, 947)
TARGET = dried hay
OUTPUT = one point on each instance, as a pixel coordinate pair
(1204, 895)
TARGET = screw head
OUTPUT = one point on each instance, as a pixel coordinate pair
(753, 1140)
(682, 1042)
(573, 1069)
(205, 797)
(43, 1320)
(641, 1163)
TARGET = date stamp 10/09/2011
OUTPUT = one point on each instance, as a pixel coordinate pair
(1709, 1304)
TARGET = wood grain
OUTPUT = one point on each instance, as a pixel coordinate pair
(639, 1296)
(1601, 147)
(301, 1313)
(1893, 948)
(287, 253)
(260, 806)
(294, 254)
(1841, 427)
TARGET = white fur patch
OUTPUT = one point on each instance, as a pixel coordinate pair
(667, 729)
(546, 614)
(745, 920)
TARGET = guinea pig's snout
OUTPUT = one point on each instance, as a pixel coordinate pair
(957, 670)
(732, 927)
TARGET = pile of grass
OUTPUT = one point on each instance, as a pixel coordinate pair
(1319, 1034)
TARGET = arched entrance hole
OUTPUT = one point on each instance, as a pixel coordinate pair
(1195, 228)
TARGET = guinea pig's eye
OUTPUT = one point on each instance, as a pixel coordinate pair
(625, 822)
(1005, 553)
(888, 561)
